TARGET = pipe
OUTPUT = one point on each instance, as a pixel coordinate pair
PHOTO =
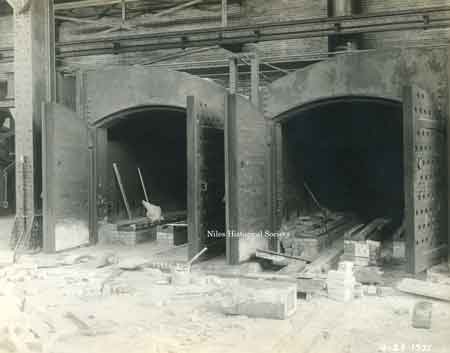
(343, 8)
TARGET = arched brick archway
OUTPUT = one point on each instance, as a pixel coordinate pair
(377, 76)
(106, 92)
(381, 74)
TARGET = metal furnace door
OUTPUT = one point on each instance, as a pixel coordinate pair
(66, 162)
(206, 177)
(425, 180)
(246, 151)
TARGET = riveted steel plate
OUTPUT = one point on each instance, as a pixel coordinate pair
(425, 180)
(206, 175)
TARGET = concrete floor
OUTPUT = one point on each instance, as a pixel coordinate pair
(57, 304)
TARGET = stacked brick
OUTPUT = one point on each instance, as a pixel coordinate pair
(362, 253)
(361, 245)
(112, 234)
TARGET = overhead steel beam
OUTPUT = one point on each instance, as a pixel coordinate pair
(96, 3)
(88, 3)
(178, 8)
(425, 18)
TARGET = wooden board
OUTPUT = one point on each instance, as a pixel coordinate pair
(426, 289)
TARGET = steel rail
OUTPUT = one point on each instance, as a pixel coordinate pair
(262, 26)
(253, 38)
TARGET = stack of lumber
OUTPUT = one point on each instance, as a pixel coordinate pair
(341, 283)
(361, 244)
(309, 235)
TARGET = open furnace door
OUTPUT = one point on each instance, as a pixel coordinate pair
(66, 161)
(206, 177)
(246, 179)
(425, 180)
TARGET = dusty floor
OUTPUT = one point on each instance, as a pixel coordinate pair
(53, 303)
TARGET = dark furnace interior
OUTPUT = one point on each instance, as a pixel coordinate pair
(155, 141)
(350, 154)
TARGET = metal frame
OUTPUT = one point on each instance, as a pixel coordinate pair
(231, 171)
(234, 61)
(425, 18)
(425, 216)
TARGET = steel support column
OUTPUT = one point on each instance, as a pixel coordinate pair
(34, 83)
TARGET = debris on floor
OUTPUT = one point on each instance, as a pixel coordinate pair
(116, 296)
(309, 235)
(341, 282)
(425, 289)
(362, 245)
(369, 275)
(439, 274)
(263, 299)
(398, 243)
(422, 314)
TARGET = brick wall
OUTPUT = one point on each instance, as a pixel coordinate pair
(405, 38)
(6, 31)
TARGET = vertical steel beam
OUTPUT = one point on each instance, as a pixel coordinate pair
(448, 154)
(124, 10)
(50, 49)
(254, 67)
(33, 69)
(234, 74)
(224, 13)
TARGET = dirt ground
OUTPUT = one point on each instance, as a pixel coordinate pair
(69, 303)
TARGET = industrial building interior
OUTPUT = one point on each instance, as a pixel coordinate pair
(224, 176)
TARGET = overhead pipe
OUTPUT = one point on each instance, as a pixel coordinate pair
(345, 8)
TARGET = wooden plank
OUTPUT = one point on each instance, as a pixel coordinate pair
(426, 289)
(326, 258)
(122, 190)
(374, 225)
(273, 255)
(304, 285)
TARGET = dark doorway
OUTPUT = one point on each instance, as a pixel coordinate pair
(154, 141)
(350, 154)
